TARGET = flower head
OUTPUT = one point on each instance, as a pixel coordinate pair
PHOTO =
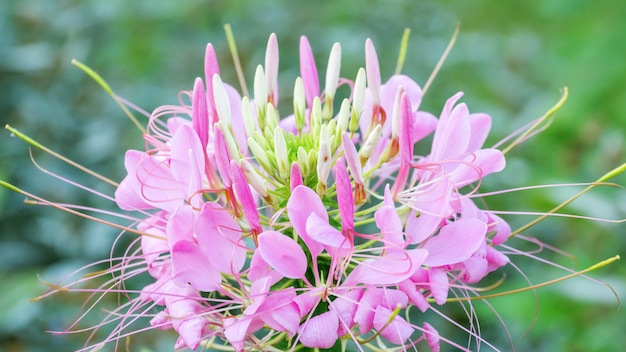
(312, 229)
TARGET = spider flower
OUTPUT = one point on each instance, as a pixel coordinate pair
(316, 229)
(265, 218)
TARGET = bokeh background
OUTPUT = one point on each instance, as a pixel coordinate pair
(511, 60)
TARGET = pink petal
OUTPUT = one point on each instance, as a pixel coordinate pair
(302, 203)
(398, 331)
(434, 205)
(389, 223)
(295, 176)
(211, 68)
(495, 259)
(406, 128)
(476, 166)
(432, 337)
(455, 242)
(501, 227)
(280, 312)
(321, 232)
(352, 158)
(259, 269)
(415, 295)
(244, 195)
(271, 69)
(151, 247)
(220, 238)
(199, 112)
(320, 331)
(445, 130)
(191, 328)
(187, 161)
(128, 194)
(191, 266)
(480, 126)
(346, 306)
(307, 300)
(452, 135)
(180, 225)
(366, 306)
(258, 292)
(439, 284)
(283, 254)
(236, 330)
(476, 266)
(157, 185)
(390, 269)
(390, 226)
(308, 71)
(222, 157)
(344, 196)
(424, 123)
(409, 86)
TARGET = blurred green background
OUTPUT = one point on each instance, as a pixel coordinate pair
(511, 60)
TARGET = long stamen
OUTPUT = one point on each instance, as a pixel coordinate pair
(38, 145)
(96, 77)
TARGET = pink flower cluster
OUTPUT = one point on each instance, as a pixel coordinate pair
(315, 228)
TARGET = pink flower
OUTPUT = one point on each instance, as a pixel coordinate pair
(259, 230)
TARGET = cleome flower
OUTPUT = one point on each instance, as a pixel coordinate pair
(264, 218)
(318, 229)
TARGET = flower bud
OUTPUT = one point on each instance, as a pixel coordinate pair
(332, 79)
(233, 149)
(358, 97)
(271, 69)
(370, 144)
(324, 160)
(299, 104)
(259, 153)
(222, 105)
(249, 122)
(254, 179)
(280, 150)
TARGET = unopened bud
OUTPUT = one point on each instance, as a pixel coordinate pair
(332, 80)
(324, 158)
(370, 144)
(358, 98)
(303, 162)
(260, 90)
(222, 105)
(299, 103)
(316, 116)
(233, 149)
(249, 121)
(343, 119)
(254, 179)
(271, 117)
(259, 153)
(280, 150)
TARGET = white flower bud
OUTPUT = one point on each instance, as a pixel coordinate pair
(222, 105)
(253, 178)
(370, 143)
(299, 103)
(249, 121)
(280, 151)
